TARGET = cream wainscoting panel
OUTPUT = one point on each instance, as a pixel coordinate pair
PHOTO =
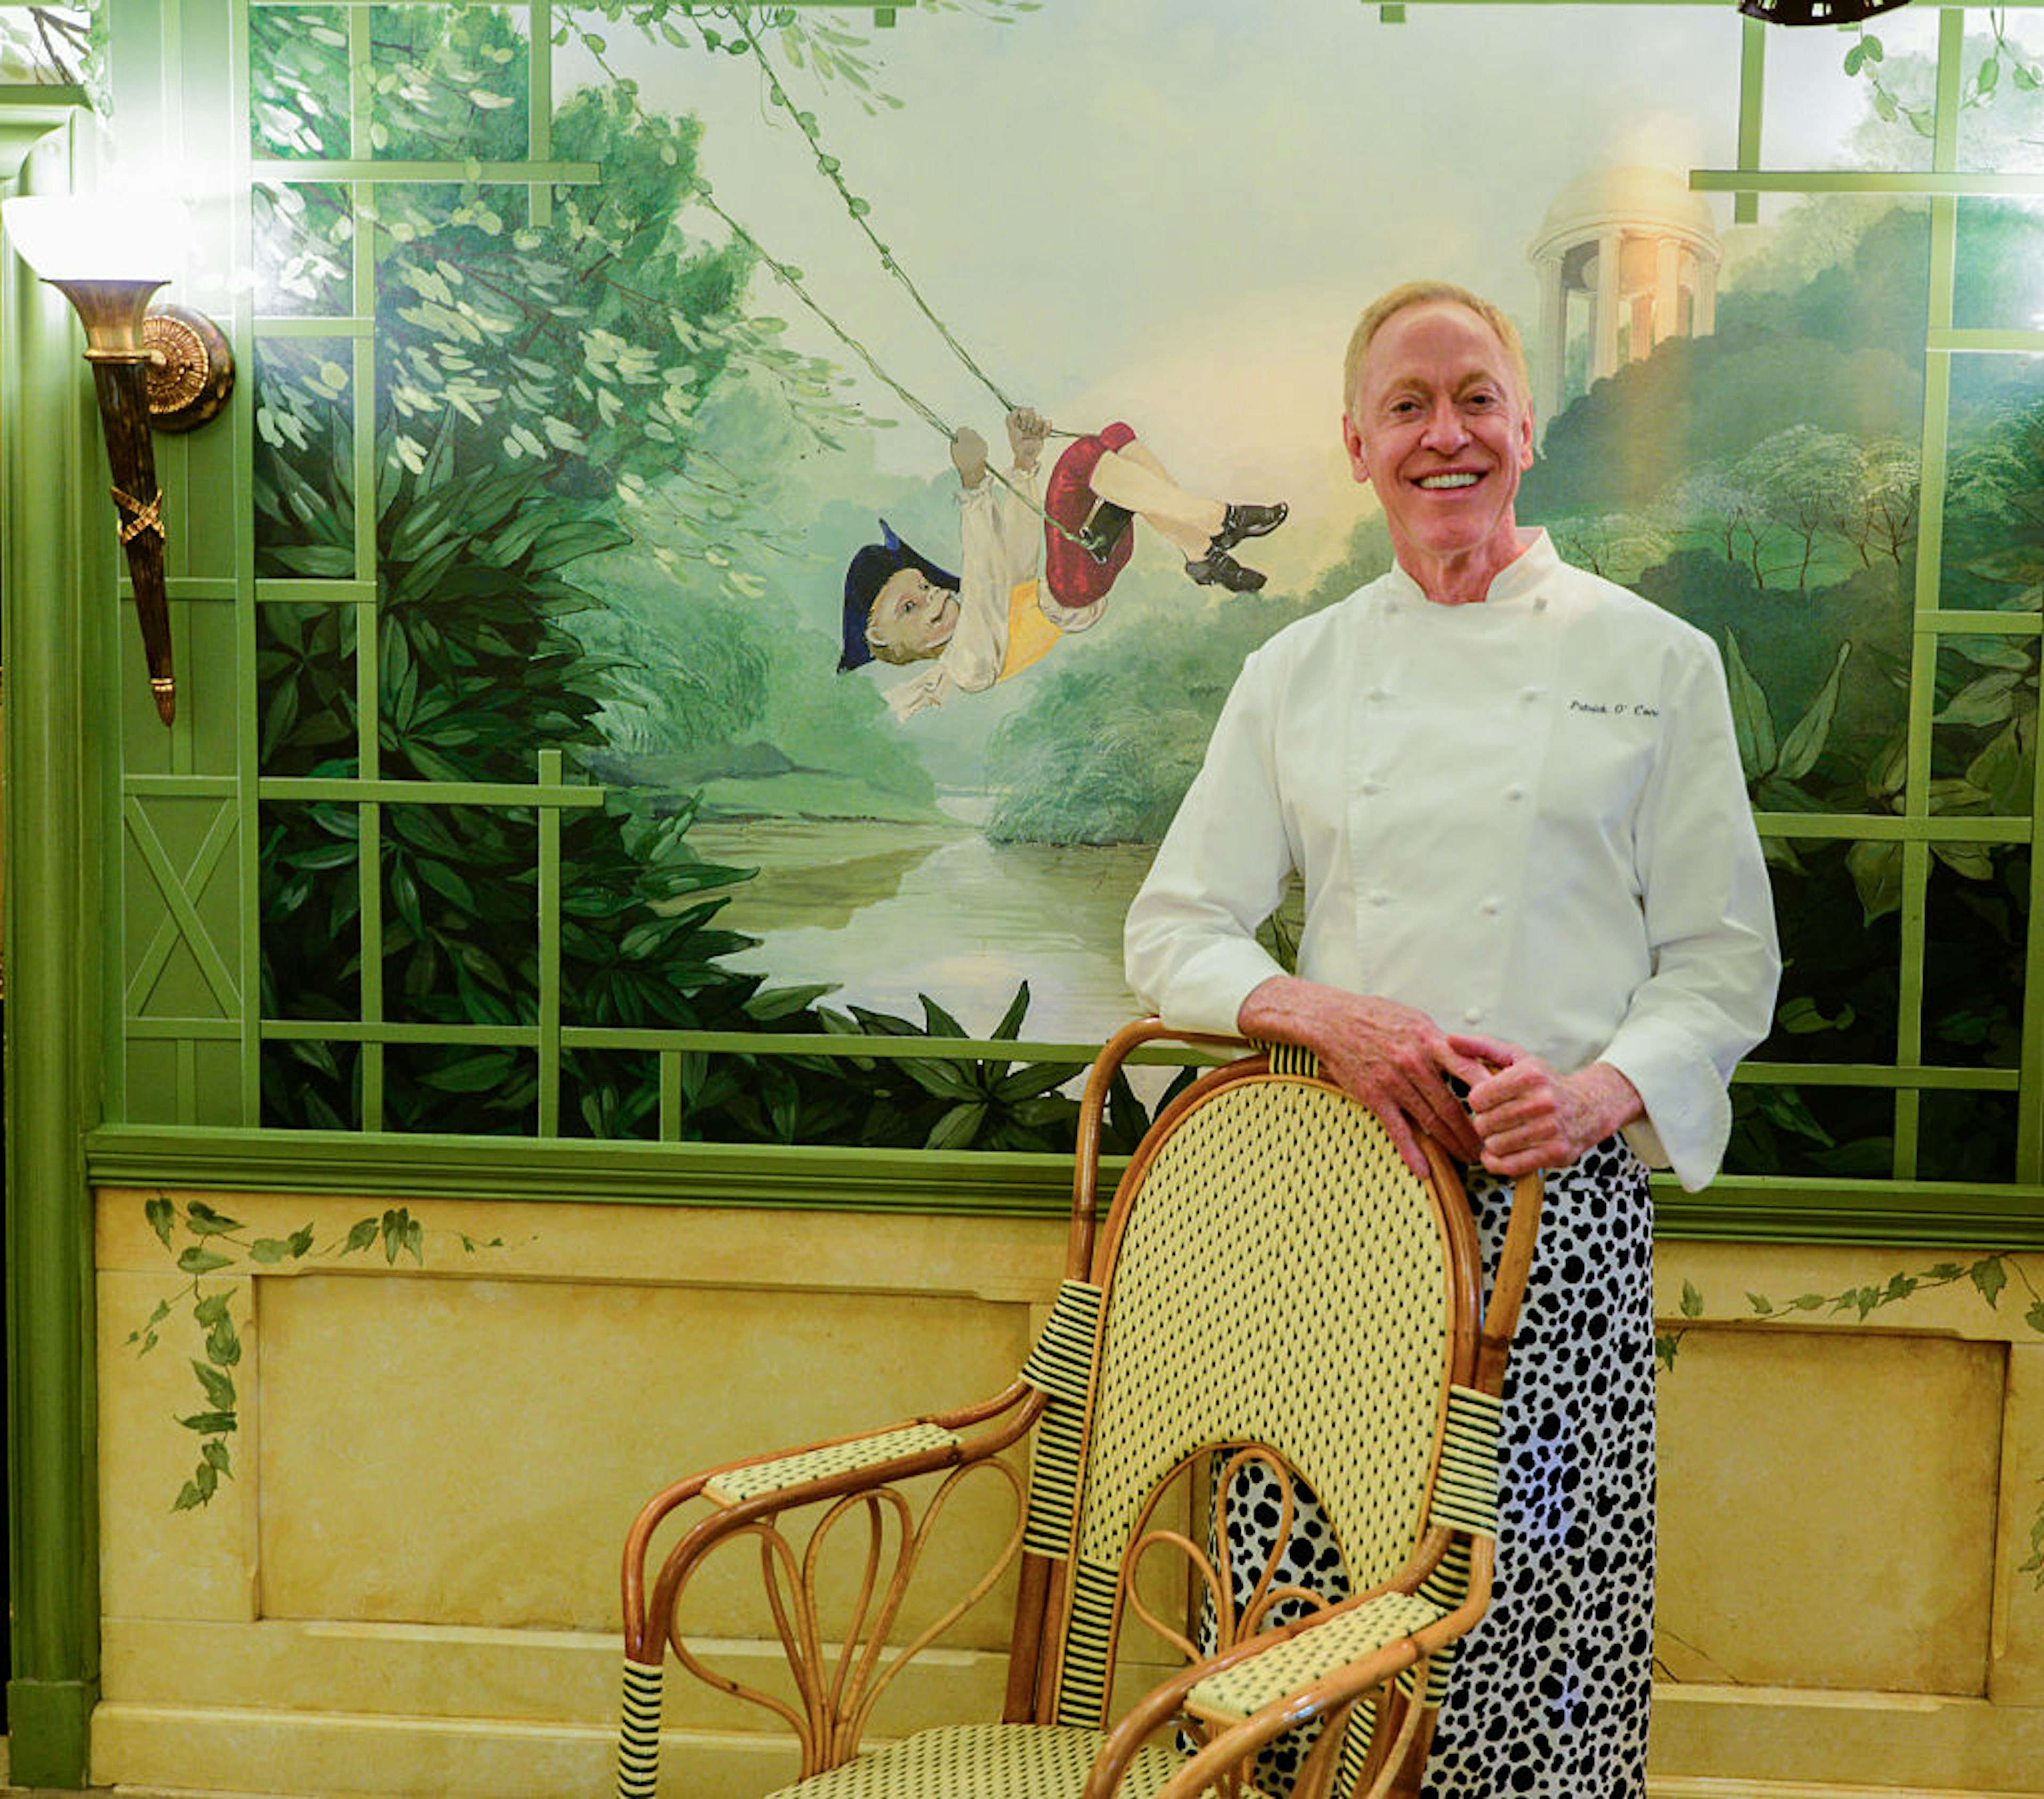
(2015, 1654)
(1844, 1507)
(1827, 1510)
(408, 1586)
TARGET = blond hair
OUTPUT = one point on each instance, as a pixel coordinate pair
(886, 651)
(1379, 311)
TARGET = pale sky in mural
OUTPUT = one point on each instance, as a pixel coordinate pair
(1171, 210)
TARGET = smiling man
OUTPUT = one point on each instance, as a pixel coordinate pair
(1537, 929)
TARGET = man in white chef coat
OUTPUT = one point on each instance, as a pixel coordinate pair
(1513, 793)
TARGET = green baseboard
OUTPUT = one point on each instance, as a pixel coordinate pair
(49, 1731)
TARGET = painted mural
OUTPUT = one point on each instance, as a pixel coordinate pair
(679, 471)
(46, 46)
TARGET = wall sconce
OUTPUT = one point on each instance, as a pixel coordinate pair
(164, 367)
(1816, 12)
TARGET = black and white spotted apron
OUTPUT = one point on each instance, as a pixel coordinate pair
(1548, 1698)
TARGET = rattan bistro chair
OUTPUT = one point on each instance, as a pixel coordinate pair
(1270, 1282)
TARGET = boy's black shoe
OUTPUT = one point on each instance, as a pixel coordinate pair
(1242, 521)
(1218, 569)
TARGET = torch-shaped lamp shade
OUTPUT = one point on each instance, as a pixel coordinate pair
(107, 256)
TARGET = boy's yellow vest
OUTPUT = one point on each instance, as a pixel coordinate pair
(1030, 634)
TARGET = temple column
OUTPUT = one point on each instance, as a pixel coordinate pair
(1603, 318)
(1551, 354)
(1667, 289)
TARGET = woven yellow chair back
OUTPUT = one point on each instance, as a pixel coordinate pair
(1275, 1274)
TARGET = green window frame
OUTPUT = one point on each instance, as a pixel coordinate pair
(189, 823)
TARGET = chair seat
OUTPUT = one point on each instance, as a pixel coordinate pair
(983, 1762)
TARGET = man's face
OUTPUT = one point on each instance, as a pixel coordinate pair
(1440, 426)
(912, 616)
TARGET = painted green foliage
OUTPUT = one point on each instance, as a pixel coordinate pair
(539, 384)
(41, 46)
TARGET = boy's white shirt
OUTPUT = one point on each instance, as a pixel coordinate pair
(1000, 541)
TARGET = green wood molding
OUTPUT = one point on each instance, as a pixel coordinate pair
(1861, 181)
(1928, 1214)
(58, 583)
(392, 1165)
(368, 168)
(1752, 105)
(49, 1725)
(768, 1177)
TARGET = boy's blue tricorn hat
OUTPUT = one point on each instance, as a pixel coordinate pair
(865, 575)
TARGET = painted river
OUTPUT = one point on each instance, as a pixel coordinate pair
(891, 911)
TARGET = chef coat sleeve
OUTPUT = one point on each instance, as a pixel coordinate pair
(1709, 919)
(1190, 945)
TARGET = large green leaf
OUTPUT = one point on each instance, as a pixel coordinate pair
(1752, 720)
(1802, 747)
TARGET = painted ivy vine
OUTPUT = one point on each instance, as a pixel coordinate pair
(1865, 55)
(213, 1243)
(1989, 1276)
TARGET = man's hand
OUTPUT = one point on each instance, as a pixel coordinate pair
(969, 456)
(1394, 1057)
(1528, 1116)
(1026, 429)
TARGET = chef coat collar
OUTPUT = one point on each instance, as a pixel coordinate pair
(1520, 579)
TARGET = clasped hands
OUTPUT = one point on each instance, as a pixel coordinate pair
(1521, 1114)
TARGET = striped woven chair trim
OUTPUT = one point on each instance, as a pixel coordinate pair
(1446, 1587)
(737, 1486)
(1248, 1687)
(983, 1762)
(1054, 1479)
(1294, 1059)
(1062, 1362)
(1465, 1487)
(1062, 1365)
(1355, 1747)
(639, 1732)
(1082, 1683)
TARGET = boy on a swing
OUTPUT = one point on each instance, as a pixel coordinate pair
(996, 617)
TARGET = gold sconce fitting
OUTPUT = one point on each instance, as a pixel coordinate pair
(165, 368)
(190, 369)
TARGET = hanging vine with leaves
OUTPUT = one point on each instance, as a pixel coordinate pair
(216, 1244)
(1866, 55)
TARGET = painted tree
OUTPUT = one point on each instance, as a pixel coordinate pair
(1879, 518)
(1616, 545)
(542, 379)
(1800, 479)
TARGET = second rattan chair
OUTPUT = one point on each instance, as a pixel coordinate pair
(1270, 1285)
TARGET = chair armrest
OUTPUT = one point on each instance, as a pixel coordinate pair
(1259, 1689)
(1295, 1663)
(755, 1480)
(745, 1489)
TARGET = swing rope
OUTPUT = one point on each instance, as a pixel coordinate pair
(859, 209)
(791, 278)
